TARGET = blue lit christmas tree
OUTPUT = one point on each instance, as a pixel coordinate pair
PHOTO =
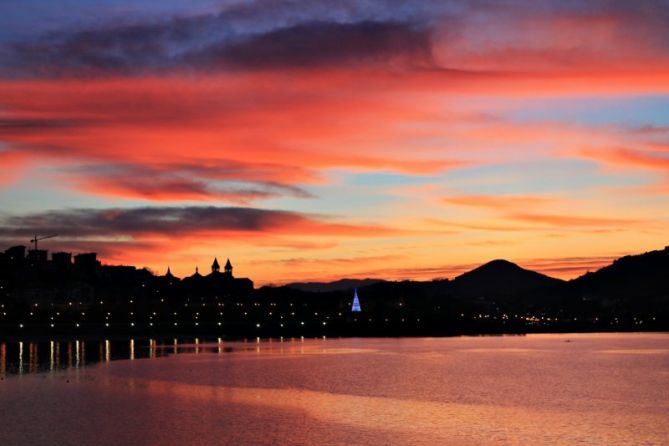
(355, 308)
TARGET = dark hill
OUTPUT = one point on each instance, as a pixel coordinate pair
(636, 277)
(501, 278)
(339, 285)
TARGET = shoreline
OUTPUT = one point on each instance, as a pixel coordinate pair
(240, 338)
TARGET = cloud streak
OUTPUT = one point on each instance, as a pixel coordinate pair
(175, 222)
(321, 44)
(160, 48)
(228, 181)
(627, 157)
(497, 202)
(570, 220)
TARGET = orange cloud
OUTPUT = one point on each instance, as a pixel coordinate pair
(569, 267)
(171, 125)
(499, 201)
(11, 164)
(574, 220)
(626, 157)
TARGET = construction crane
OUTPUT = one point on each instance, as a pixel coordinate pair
(39, 238)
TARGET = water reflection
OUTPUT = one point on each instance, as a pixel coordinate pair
(32, 357)
(20, 371)
(28, 357)
(407, 391)
(3, 359)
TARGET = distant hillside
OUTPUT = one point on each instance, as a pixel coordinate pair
(633, 277)
(339, 285)
(637, 284)
(500, 278)
(495, 278)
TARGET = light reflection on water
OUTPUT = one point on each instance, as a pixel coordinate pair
(541, 390)
(28, 357)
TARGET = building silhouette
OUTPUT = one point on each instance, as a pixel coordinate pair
(225, 283)
(37, 257)
(62, 260)
(86, 261)
(15, 257)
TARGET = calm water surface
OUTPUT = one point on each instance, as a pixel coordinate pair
(591, 389)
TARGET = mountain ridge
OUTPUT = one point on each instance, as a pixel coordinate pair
(628, 277)
(336, 285)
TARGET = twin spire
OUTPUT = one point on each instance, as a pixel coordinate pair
(216, 268)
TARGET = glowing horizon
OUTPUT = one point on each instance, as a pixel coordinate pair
(320, 140)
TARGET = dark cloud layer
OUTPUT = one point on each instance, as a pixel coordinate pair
(225, 180)
(322, 43)
(165, 221)
(175, 223)
(183, 44)
(12, 125)
(142, 230)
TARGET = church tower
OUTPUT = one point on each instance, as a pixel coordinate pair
(228, 268)
(215, 267)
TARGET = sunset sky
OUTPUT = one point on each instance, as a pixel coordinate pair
(314, 140)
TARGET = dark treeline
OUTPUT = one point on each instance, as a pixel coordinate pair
(79, 296)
